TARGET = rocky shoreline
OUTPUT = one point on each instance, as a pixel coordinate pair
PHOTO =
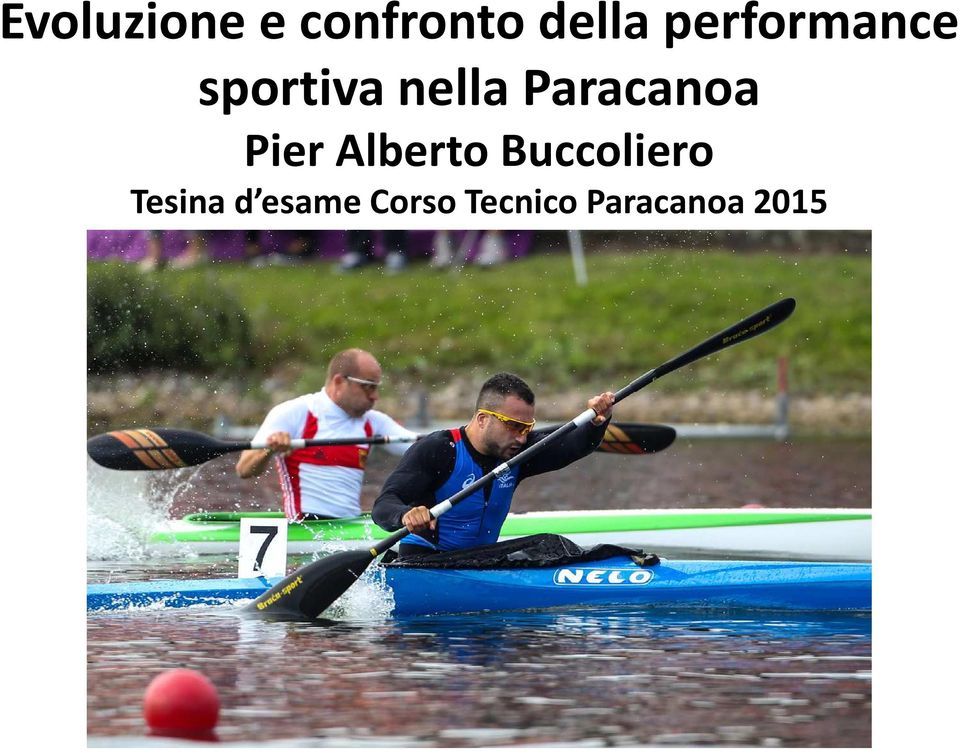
(200, 402)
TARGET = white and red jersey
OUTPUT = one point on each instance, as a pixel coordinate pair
(325, 480)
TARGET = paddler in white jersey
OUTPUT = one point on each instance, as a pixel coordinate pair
(324, 482)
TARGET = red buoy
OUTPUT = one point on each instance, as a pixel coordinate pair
(181, 702)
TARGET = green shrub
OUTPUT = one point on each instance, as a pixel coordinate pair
(139, 321)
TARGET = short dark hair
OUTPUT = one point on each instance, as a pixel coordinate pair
(502, 385)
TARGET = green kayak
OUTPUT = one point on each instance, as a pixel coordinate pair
(807, 534)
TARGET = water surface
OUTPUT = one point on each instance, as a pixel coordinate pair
(604, 676)
(621, 677)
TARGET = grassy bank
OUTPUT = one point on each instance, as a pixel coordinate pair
(530, 316)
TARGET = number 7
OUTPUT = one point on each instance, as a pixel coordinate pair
(271, 533)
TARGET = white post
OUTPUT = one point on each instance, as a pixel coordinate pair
(576, 253)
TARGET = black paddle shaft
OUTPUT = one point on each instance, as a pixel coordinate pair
(170, 448)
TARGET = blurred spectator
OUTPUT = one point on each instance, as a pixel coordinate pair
(492, 250)
(360, 250)
(442, 250)
(293, 251)
(193, 252)
(252, 249)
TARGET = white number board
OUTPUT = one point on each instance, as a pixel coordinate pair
(263, 547)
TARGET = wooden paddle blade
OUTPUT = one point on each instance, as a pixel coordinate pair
(162, 448)
(311, 589)
(636, 438)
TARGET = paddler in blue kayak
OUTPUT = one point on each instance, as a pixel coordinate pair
(440, 464)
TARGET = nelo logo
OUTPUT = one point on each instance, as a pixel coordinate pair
(603, 576)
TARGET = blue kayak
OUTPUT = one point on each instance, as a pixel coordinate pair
(619, 581)
(613, 581)
(175, 593)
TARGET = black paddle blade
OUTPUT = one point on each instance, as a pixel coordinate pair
(759, 323)
(311, 589)
(162, 448)
(751, 326)
(636, 438)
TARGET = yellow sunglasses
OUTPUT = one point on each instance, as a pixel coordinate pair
(520, 427)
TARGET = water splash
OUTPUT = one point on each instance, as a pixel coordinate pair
(370, 599)
(125, 508)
